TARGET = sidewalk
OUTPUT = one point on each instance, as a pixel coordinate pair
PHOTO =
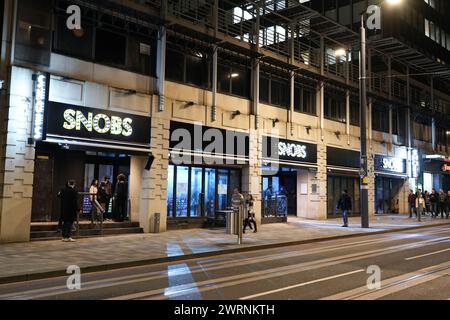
(24, 261)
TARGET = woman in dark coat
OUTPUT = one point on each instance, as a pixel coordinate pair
(69, 209)
(121, 199)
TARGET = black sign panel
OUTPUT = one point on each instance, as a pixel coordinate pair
(277, 149)
(390, 164)
(98, 125)
(209, 141)
(343, 158)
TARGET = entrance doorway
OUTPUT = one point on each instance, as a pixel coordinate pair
(279, 192)
(387, 199)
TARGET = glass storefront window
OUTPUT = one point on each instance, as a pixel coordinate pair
(200, 192)
(196, 192)
(182, 189)
(210, 192)
(170, 191)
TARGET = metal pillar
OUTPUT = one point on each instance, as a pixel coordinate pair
(161, 66)
(363, 105)
(214, 85)
(433, 120)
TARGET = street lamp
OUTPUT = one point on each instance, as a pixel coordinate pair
(364, 185)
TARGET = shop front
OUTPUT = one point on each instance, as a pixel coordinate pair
(205, 167)
(87, 145)
(390, 179)
(343, 174)
(436, 173)
(288, 175)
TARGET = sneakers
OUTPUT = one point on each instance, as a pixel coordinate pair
(68, 240)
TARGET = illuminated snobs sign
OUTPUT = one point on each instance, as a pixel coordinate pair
(292, 150)
(40, 95)
(100, 123)
(65, 121)
(390, 164)
(282, 150)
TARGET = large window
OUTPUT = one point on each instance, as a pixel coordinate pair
(191, 67)
(196, 192)
(275, 90)
(234, 80)
(336, 185)
(380, 117)
(335, 106)
(305, 99)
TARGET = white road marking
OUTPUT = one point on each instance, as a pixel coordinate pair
(300, 285)
(427, 254)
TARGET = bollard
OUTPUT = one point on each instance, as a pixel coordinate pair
(156, 222)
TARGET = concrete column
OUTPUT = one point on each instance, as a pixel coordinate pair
(137, 168)
(153, 198)
(321, 179)
(16, 159)
(252, 173)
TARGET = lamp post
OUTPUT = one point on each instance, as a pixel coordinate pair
(364, 172)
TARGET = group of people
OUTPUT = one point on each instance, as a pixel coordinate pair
(434, 203)
(247, 202)
(98, 192)
(102, 193)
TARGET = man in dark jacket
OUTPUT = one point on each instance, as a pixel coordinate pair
(434, 203)
(412, 203)
(345, 204)
(121, 199)
(69, 209)
(447, 204)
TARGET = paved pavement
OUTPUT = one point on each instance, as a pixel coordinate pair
(413, 265)
(44, 258)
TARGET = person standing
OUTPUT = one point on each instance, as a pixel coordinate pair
(93, 191)
(420, 204)
(108, 191)
(412, 203)
(103, 197)
(70, 207)
(121, 199)
(442, 197)
(447, 204)
(250, 219)
(427, 202)
(433, 203)
(345, 205)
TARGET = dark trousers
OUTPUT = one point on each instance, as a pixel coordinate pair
(345, 217)
(120, 211)
(433, 209)
(67, 228)
(412, 210)
(441, 209)
(248, 223)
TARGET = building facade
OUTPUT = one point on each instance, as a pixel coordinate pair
(192, 99)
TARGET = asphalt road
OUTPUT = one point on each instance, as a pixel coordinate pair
(413, 265)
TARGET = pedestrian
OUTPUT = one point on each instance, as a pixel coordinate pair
(70, 207)
(433, 203)
(420, 204)
(237, 203)
(93, 191)
(103, 197)
(412, 204)
(345, 205)
(250, 217)
(442, 197)
(427, 202)
(121, 199)
(447, 204)
(60, 221)
(108, 191)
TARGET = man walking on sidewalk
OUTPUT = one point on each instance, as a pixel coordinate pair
(345, 204)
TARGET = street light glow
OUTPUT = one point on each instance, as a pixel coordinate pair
(340, 52)
(393, 2)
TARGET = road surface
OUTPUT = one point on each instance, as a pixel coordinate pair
(413, 265)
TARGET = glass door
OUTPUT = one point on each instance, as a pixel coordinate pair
(222, 189)
(182, 192)
(197, 195)
(210, 192)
